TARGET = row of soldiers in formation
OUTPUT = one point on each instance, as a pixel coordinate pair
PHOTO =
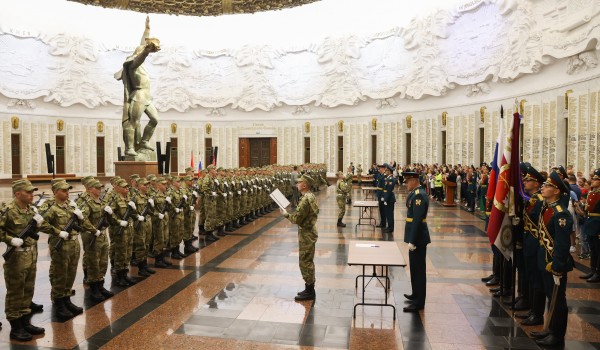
(542, 254)
(146, 217)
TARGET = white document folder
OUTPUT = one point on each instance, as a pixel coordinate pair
(280, 199)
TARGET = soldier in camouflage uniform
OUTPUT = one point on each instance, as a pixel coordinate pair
(348, 180)
(221, 202)
(210, 192)
(65, 258)
(359, 172)
(96, 253)
(306, 218)
(85, 181)
(160, 223)
(142, 233)
(200, 207)
(20, 268)
(176, 219)
(189, 213)
(342, 191)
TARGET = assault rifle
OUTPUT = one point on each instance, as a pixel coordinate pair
(144, 212)
(103, 223)
(127, 215)
(29, 231)
(181, 203)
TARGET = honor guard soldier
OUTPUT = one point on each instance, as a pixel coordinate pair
(210, 192)
(142, 233)
(189, 214)
(66, 221)
(380, 178)
(95, 246)
(306, 219)
(389, 199)
(342, 192)
(416, 234)
(554, 259)
(532, 289)
(19, 226)
(178, 200)
(591, 228)
(160, 223)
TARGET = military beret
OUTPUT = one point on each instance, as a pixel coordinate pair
(555, 181)
(61, 185)
(23, 185)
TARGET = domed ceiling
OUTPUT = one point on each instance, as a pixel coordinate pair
(197, 7)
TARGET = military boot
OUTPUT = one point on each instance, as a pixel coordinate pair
(105, 292)
(85, 280)
(17, 332)
(340, 223)
(222, 231)
(159, 261)
(142, 269)
(120, 280)
(129, 280)
(29, 328)
(176, 254)
(95, 294)
(210, 237)
(61, 310)
(305, 289)
(147, 269)
(189, 247)
(595, 278)
(76, 310)
(35, 308)
(309, 293)
(236, 224)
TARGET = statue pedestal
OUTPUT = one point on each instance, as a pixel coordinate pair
(127, 168)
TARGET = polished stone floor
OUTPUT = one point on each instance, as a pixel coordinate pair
(238, 293)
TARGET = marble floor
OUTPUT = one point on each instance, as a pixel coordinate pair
(238, 293)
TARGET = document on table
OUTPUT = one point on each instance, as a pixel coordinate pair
(280, 199)
(363, 245)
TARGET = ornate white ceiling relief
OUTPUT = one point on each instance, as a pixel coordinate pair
(470, 46)
(20, 103)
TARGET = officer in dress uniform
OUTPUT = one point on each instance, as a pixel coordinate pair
(20, 268)
(532, 181)
(591, 228)
(389, 199)
(306, 219)
(554, 259)
(416, 235)
(380, 178)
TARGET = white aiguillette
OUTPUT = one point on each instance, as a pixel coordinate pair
(280, 199)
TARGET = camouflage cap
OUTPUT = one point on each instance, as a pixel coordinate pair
(188, 178)
(134, 177)
(175, 178)
(23, 185)
(143, 181)
(220, 168)
(58, 179)
(189, 169)
(339, 173)
(61, 185)
(151, 177)
(95, 184)
(161, 180)
(211, 167)
(305, 178)
(115, 179)
(87, 180)
(121, 183)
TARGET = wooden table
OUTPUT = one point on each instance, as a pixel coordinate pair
(375, 253)
(369, 192)
(366, 213)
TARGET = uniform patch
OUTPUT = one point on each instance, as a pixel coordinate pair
(418, 202)
(562, 222)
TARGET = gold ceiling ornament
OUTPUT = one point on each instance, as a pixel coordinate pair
(60, 125)
(173, 128)
(570, 91)
(482, 113)
(408, 121)
(307, 127)
(208, 128)
(374, 124)
(100, 127)
(197, 7)
(341, 126)
(522, 106)
(444, 118)
(14, 121)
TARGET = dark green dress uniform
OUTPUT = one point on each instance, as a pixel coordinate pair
(417, 233)
(389, 201)
(380, 184)
(554, 259)
(20, 268)
(591, 229)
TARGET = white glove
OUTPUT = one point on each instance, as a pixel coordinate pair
(97, 234)
(168, 199)
(184, 197)
(141, 218)
(381, 199)
(239, 193)
(195, 194)
(16, 242)
(554, 277)
(151, 201)
(384, 203)
(161, 216)
(35, 210)
(411, 247)
(214, 193)
(132, 205)
(38, 219)
(73, 204)
(224, 195)
(177, 210)
(78, 213)
(63, 234)
(108, 210)
(123, 223)
(191, 208)
(283, 211)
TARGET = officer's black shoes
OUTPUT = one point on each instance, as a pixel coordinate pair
(521, 305)
(105, 292)
(533, 321)
(387, 230)
(550, 340)
(36, 307)
(142, 269)
(17, 332)
(76, 310)
(413, 308)
(95, 294)
(409, 296)
(488, 278)
(29, 328)
(594, 279)
(62, 312)
(493, 282)
(524, 316)
(494, 290)
(380, 226)
(540, 334)
(340, 223)
(307, 294)
(587, 275)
